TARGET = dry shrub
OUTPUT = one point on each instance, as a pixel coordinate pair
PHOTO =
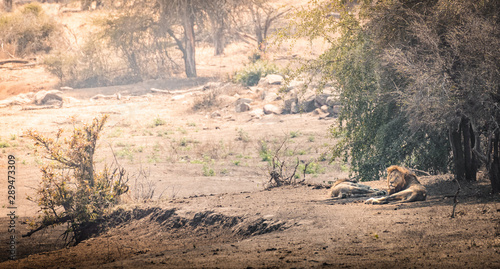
(29, 30)
(207, 100)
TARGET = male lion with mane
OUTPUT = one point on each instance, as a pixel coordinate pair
(345, 188)
(403, 186)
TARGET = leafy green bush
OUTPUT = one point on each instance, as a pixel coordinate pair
(29, 30)
(251, 74)
(72, 190)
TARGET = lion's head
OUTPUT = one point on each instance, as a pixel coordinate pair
(398, 178)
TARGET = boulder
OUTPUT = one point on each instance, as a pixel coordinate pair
(271, 80)
(244, 100)
(43, 97)
(271, 109)
(308, 103)
(321, 99)
(269, 96)
(257, 113)
(242, 107)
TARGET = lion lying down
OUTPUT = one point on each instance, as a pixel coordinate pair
(345, 188)
(403, 186)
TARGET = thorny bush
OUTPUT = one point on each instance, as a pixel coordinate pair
(72, 190)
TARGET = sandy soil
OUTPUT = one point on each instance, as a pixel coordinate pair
(229, 220)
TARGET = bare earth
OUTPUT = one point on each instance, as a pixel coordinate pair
(180, 215)
(229, 220)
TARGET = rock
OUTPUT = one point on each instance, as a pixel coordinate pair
(294, 109)
(271, 80)
(269, 96)
(215, 114)
(332, 101)
(256, 89)
(257, 113)
(288, 104)
(295, 85)
(324, 109)
(271, 109)
(65, 88)
(321, 99)
(308, 104)
(178, 97)
(244, 100)
(242, 107)
(42, 97)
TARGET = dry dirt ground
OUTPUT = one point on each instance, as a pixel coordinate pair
(228, 220)
(197, 187)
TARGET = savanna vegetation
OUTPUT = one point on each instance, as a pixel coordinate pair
(418, 81)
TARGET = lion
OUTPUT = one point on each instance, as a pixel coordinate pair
(345, 188)
(403, 186)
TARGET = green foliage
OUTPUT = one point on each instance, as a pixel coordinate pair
(373, 131)
(313, 168)
(72, 190)
(265, 152)
(208, 171)
(251, 74)
(29, 30)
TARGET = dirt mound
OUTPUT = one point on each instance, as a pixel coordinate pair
(201, 222)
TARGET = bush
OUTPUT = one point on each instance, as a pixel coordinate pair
(72, 190)
(29, 30)
(251, 74)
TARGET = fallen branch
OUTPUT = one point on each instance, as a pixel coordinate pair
(48, 224)
(14, 61)
(421, 172)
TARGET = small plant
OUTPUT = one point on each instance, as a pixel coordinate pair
(158, 121)
(4, 144)
(311, 139)
(72, 190)
(207, 100)
(294, 134)
(207, 171)
(251, 74)
(243, 136)
(265, 152)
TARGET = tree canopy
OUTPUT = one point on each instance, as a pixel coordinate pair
(419, 82)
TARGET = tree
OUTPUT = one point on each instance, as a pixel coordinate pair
(443, 50)
(71, 190)
(183, 13)
(7, 4)
(263, 15)
(374, 130)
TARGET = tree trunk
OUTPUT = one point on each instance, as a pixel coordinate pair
(189, 40)
(468, 142)
(219, 38)
(7, 5)
(494, 166)
(458, 154)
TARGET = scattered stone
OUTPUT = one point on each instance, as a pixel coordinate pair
(242, 107)
(257, 113)
(270, 96)
(271, 109)
(308, 104)
(215, 114)
(324, 109)
(321, 99)
(65, 88)
(295, 85)
(271, 80)
(244, 100)
(294, 109)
